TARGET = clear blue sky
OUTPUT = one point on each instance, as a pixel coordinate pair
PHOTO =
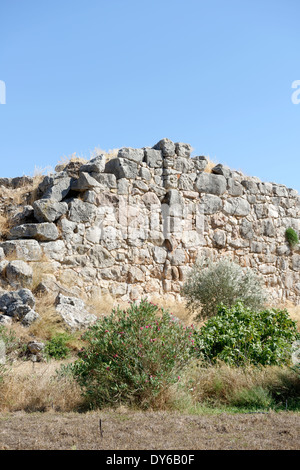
(216, 74)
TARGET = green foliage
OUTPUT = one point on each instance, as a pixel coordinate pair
(239, 336)
(57, 347)
(252, 398)
(292, 237)
(132, 356)
(9, 339)
(222, 282)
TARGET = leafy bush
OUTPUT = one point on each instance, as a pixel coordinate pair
(57, 347)
(132, 356)
(291, 237)
(224, 282)
(239, 336)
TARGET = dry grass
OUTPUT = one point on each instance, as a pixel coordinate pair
(127, 430)
(222, 384)
(210, 165)
(176, 308)
(32, 387)
(103, 304)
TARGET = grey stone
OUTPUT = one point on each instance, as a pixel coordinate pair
(85, 182)
(246, 230)
(153, 158)
(54, 250)
(222, 170)
(268, 228)
(200, 163)
(101, 257)
(250, 186)
(210, 204)
(81, 212)
(29, 318)
(17, 304)
(141, 185)
(19, 274)
(159, 254)
(123, 186)
(55, 187)
(171, 181)
(47, 210)
(237, 206)
(5, 320)
(210, 183)
(122, 168)
(43, 232)
(23, 217)
(183, 165)
(234, 187)
(96, 165)
(106, 180)
(173, 197)
(35, 347)
(178, 257)
(183, 150)
(145, 174)
(26, 250)
(219, 238)
(186, 182)
(280, 190)
(135, 155)
(166, 146)
(73, 312)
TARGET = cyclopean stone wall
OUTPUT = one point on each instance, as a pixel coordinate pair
(134, 225)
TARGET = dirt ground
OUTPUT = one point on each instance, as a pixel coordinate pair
(128, 430)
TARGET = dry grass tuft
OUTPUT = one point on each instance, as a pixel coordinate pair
(36, 387)
(210, 165)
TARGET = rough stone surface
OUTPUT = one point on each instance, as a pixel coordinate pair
(73, 312)
(19, 273)
(210, 183)
(47, 210)
(42, 232)
(135, 225)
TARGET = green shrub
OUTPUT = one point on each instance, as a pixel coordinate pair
(292, 237)
(239, 336)
(223, 281)
(57, 348)
(132, 356)
(252, 398)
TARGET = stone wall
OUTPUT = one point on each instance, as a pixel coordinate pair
(134, 225)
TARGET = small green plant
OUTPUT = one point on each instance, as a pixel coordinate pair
(252, 398)
(239, 336)
(132, 356)
(9, 339)
(291, 237)
(57, 347)
(212, 283)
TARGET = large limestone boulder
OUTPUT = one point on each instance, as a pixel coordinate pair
(48, 210)
(43, 232)
(19, 273)
(19, 306)
(73, 312)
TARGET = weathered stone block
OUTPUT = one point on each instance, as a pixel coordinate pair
(47, 210)
(210, 183)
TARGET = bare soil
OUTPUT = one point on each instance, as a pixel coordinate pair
(125, 429)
